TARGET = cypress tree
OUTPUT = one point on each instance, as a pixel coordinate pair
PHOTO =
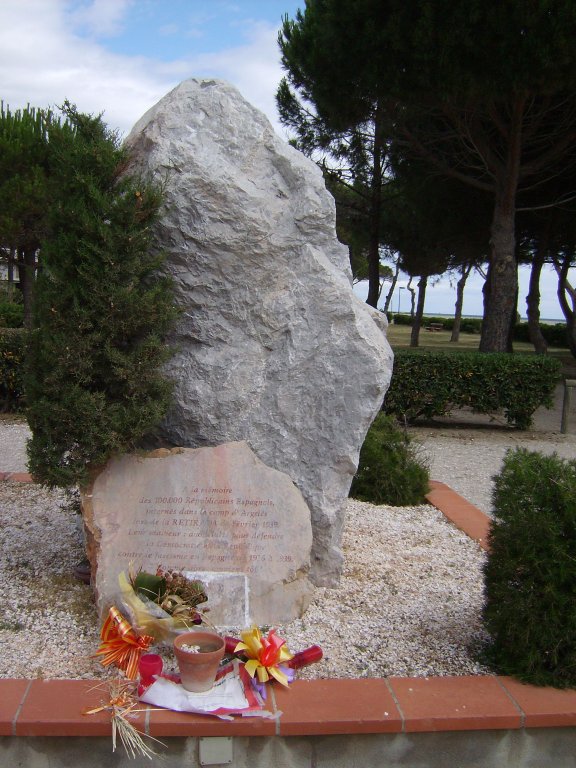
(94, 386)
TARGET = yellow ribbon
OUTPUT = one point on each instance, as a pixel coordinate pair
(120, 645)
(264, 654)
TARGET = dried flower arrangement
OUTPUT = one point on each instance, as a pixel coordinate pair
(173, 592)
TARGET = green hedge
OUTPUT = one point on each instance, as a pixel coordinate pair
(428, 384)
(555, 334)
(467, 324)
(11, 370)
(530, 574)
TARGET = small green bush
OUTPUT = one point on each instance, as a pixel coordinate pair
(12, 343)
(390, 470)
(530, 575)
(11, 314)
(428, 384)
(469, 325)
(400, 319)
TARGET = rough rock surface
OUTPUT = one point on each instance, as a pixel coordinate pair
(272, 347)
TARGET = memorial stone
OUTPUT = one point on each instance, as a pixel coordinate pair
(272, 346)
(218, 513)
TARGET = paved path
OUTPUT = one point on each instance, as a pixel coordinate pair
(466, 450)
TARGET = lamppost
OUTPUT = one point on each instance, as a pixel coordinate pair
(401, 288)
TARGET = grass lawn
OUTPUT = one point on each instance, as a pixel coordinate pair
(399, 338)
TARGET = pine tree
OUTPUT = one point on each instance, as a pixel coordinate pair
(482, 91)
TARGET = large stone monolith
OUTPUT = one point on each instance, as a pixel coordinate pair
(272, 347)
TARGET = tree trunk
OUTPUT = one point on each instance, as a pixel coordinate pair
(533, 302)
(417, 322)
(11, 260)
(412, 297)
(392, 285)
(513, 319)
(375, 214)
(460, 285)
(502, 282)
(569, 312)
(26, 274)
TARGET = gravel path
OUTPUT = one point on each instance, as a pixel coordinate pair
(409, 602)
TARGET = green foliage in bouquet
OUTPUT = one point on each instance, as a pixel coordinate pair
(173, 592)
(390, 470)
(149, 585)
(94, 385)
(530, 575)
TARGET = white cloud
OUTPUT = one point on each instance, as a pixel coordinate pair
(43, 61)
(102, 17)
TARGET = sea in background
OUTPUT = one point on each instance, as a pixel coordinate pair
(441, 295)
(543, 320)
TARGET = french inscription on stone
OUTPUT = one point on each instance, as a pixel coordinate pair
(203, 510)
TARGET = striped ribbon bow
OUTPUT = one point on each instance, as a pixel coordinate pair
(121, 645)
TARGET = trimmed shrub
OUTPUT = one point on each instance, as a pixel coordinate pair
(530, 575)
(12, 343)
(11, 314)
(390, 471)
(428, 384)
(469, 325)
(402, 319)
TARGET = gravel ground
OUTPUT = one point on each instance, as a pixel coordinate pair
(408, 604)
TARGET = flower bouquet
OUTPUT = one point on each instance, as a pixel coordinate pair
(162, 604)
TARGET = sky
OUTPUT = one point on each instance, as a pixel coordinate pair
(119, 57)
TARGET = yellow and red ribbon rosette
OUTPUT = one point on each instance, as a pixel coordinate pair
(121, 645)
(264, 654)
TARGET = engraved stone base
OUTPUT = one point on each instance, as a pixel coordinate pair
(203, 510)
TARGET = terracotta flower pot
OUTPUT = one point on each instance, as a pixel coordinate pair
(198, 668)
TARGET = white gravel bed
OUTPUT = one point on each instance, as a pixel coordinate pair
(409, 600)
(408, 604)
(48, 624)
(14, 434)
